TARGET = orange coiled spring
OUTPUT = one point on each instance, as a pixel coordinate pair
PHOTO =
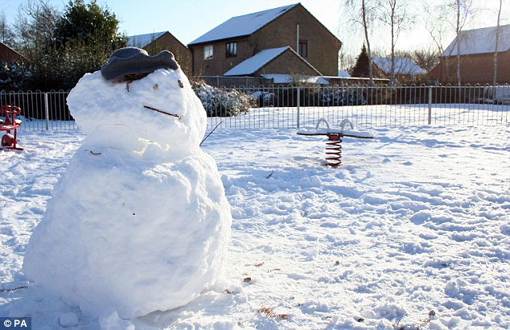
(334, 150)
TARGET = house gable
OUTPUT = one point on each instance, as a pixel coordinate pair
(289, 62)
(153, 43)
(274, 61)
(256, 62)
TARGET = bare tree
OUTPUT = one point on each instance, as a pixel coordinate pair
(364, 12)
(464, 12)
(426, 58)
(440, 20)
(434, 20)
(346, 61)
(395, 14)
(498, 31)
(6, 32)
(35, 26)
(458, 39)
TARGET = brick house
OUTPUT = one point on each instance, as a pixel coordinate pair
(477, 49)
(406, 71)
(284, 40)
(153, 43)
(283, 60)
(7, 54)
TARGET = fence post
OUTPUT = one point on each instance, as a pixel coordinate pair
(47, 111)
(298, 104)
(430, 105)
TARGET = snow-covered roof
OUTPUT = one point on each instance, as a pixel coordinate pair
(254, 63)
(402, 66)
(344, 74)
(242, 25)
(480, 41)
(287, 78)
(142, 40)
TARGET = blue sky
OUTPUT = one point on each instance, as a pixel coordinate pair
(189, 19)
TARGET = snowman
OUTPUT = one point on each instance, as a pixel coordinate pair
(139, 222)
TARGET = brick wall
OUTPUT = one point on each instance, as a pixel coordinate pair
(220, 63)
(474, 69)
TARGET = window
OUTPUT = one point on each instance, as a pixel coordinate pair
(232, 49)
(303, 49)
(208, 52)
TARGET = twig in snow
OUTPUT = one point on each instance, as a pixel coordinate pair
(13, 289)
(210, 133)
(270, 175)
(267, 312)
(273, 270)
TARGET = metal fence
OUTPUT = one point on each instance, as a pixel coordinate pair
(365, 106)
(41, 110)
(299, 106)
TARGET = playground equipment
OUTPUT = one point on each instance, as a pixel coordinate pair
(334, 143)
(8, 124)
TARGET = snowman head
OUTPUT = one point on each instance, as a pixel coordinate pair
(137, 99)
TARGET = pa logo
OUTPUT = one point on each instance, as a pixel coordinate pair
(15, 323)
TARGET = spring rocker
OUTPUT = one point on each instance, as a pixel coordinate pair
(8, 124)
(334, 142)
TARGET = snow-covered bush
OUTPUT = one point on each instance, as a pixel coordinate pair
(222, 103)
(264, 99)
(332, 97)
(13, 76)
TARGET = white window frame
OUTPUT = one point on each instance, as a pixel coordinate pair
(208, 52)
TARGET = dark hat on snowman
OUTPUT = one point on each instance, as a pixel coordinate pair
(132, 60)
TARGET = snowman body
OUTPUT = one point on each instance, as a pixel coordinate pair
(139, 222)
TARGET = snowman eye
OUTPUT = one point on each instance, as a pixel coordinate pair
(181, 85)
(155, 87)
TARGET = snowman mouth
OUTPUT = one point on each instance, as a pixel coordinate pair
(163, 112)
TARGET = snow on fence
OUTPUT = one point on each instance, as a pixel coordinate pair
(299, 106)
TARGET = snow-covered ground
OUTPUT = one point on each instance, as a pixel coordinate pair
(361, 116)
(413, 230)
